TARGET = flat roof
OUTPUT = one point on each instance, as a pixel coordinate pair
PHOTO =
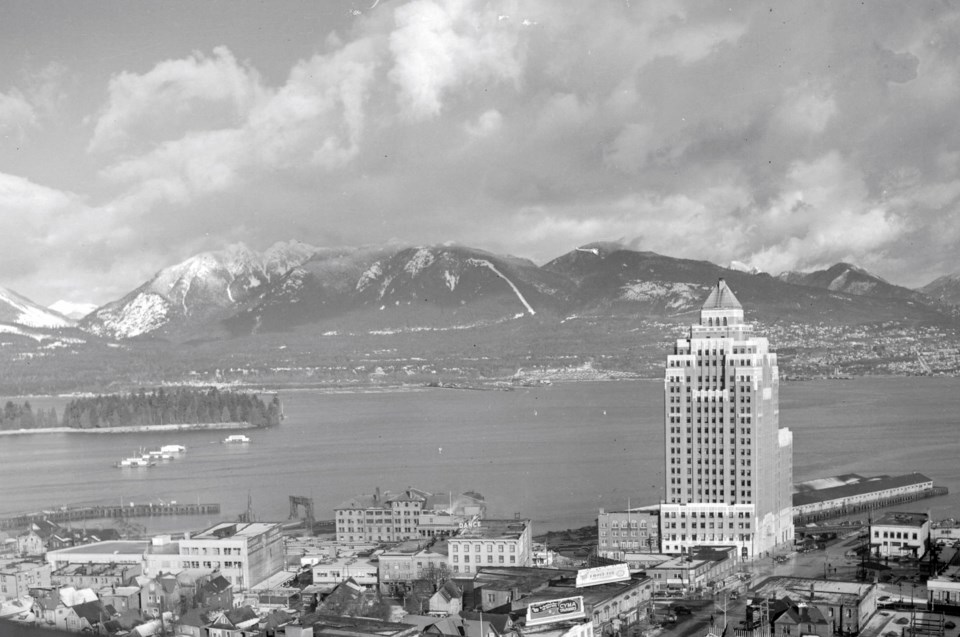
(242, 529)
(867, 485)
(799, 588)
(592, 595)
(126, 547)
(494, 530)
(895, 518)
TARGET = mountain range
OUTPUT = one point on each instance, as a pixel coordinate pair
(239, 291)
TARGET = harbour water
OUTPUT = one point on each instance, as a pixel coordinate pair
(554, 454)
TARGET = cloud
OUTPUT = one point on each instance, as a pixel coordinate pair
(439, 47)
(168, 98)
(16, 113)
(789, 136)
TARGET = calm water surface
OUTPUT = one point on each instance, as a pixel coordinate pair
(554, 454)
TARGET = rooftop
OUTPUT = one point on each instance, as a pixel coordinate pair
(234, 529)
(124, 547)
(592, 595)
(867, 485)
(895, 518)
(801, 588)
(721, 298)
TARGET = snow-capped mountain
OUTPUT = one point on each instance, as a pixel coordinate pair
(18, 309)
(238, 291)
(73, 310)
(199, 290)
(418, 286)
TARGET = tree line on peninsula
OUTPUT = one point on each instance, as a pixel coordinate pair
(179, 406)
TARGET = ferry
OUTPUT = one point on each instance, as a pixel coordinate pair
(236, 438)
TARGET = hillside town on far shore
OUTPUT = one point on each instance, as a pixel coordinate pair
(734, 549)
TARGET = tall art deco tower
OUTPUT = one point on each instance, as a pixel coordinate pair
(729, 466)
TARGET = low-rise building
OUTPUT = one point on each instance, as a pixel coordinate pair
(121, 598)
(117, 552)
(900, 535)
(846, 606)
(244, 552)
(612, 606)
(698, 570)
(17, 577)
(801, 619)
(491, 543)
(635, 530)
(495, 587)
(404, 515)
(316, 625)
(95, 575)
(943, 589)
(330, 572)
(411, 561)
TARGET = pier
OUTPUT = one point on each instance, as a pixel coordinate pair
(879, 503)
(132, 510)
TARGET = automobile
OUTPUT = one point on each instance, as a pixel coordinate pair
(950, 625)
(902, 621)
(681, 610)
(735, 595)
(883, 598)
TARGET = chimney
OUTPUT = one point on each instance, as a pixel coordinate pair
(376, 496)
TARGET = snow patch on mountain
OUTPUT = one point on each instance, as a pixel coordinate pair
(450, 279)
(144, 314)
(72, 310)
(423, 258)
(371, 274)
(483, 263)
(679, 295)
(26, 312)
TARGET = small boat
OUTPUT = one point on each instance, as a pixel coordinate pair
(173, 449)
(136, 461)
(236, 438)
(158, 455)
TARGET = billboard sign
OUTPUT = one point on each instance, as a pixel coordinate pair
(555, 610)
(603, 575)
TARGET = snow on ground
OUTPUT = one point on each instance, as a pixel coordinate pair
(423, 258)
(483, 263)
(678, 295)
(32, 315)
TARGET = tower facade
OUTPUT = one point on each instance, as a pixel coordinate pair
(728, 477)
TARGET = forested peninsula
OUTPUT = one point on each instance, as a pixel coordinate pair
(180, 406)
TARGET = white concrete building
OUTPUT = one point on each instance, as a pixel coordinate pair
(729, 465)
(900, 535)
(245, 553)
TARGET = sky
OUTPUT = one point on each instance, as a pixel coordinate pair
(787, 136)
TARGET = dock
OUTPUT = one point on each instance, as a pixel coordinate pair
(869, 505)
(132, 510)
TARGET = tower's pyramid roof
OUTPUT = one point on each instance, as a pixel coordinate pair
(721, 298)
